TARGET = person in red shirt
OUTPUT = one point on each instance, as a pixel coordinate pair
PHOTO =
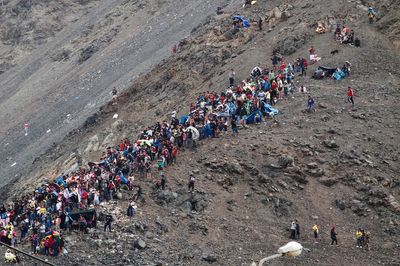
(282, 66)
(350, 95)
(174, 154)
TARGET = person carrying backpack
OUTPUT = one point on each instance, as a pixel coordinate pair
(359, 235)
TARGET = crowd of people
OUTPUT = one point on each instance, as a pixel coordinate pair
(43, 215)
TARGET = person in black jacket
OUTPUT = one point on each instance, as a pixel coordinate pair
(334, 235)
(107, 224)
(297, 229)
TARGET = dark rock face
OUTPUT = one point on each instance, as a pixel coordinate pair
(87, 52)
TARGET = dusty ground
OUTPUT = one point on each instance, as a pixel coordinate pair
(244, 202)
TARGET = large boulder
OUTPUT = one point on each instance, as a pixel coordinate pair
(209, 257)
(328, 181)
(331, 144)
(276, 13)
(139, 244)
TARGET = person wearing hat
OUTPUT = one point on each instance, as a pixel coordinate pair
(191, 183)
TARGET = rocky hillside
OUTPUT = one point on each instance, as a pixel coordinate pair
(338, 165)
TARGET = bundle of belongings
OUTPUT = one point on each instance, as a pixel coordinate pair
(347, 35)
(336, 73)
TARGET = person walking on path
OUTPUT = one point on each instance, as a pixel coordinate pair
(163, 181)
(303, 66)
(107, 224)
(333, 235)
(114, 96)
(293, 230)
(235, 130)
(350, 95)
(131, 209)
(315, 230)
(310, 104)
(232, 75)
(366, 240)
(26, 128)
(191, 183)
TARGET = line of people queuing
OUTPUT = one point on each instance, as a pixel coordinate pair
(42, 216)
(362, 237)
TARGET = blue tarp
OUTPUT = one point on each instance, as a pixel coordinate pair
(124, 180)
(60, 181)
(268, 109)
(246, 22)
(339, 74)
(252, 117)
(184, 118)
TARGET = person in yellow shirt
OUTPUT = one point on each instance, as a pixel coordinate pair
(359, 236)
(315, 230)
